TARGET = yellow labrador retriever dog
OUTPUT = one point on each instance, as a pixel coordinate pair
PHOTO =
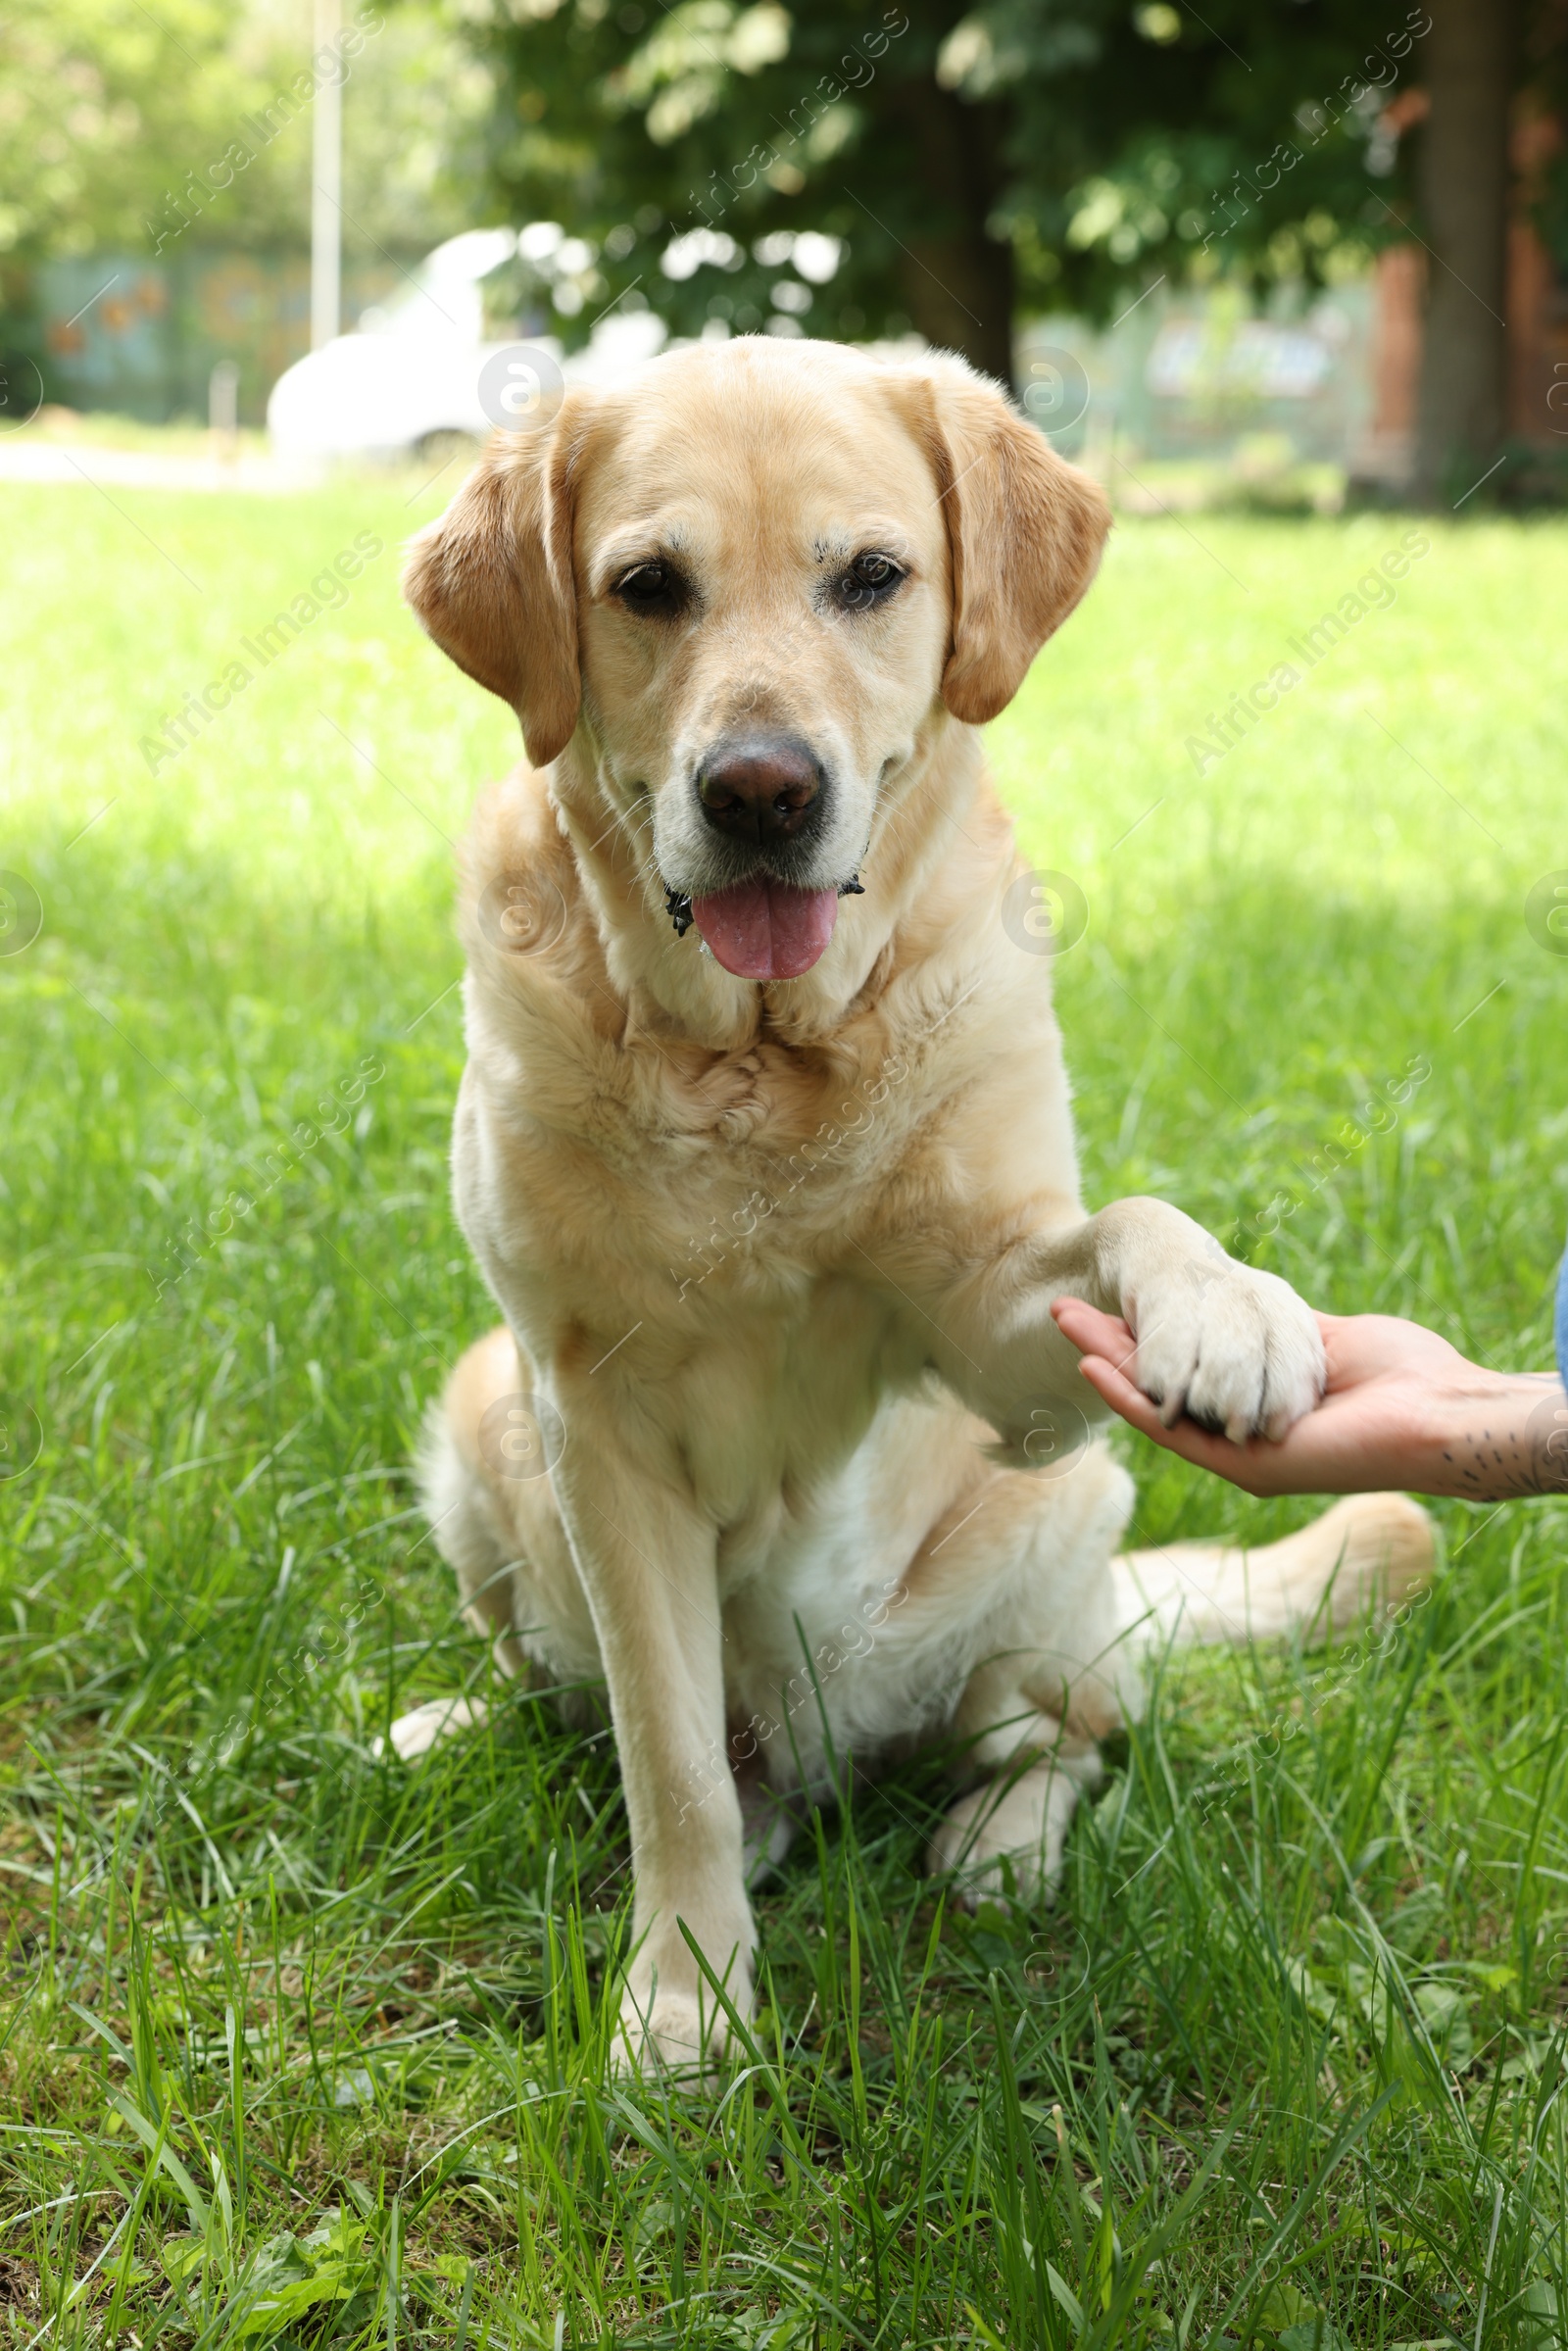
(765, 1146)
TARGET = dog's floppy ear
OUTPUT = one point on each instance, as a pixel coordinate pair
(1025, 532)
(492, 584)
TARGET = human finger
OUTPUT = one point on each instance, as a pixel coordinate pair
(1094, 1333)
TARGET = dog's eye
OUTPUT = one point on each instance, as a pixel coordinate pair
(649, 588)
(869, 580)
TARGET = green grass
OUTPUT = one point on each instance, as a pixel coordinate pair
(300, 2046)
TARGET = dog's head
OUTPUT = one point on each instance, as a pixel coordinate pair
(750, 582)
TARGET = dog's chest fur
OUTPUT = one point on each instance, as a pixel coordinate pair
(700, 1214)
(723, 1240)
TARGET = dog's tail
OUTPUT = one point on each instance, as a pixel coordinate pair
(1365, 1556)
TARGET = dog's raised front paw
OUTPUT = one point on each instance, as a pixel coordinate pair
(1235, 1349)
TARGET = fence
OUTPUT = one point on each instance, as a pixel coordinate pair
(141, 337)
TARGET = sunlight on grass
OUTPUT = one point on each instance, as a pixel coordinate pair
(301, 2048)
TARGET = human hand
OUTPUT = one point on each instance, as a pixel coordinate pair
(1402, 1408)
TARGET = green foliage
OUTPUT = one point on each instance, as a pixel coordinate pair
(101, 104)
(1075, 149)
(117, 122)
(302, 2048)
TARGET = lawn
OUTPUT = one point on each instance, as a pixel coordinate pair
(301, 2046)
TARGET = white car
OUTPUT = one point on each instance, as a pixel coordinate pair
(422, 370)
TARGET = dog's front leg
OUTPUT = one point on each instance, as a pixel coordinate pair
(647, 1562)
(1235, 1347)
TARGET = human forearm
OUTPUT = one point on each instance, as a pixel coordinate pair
(1494, 1435)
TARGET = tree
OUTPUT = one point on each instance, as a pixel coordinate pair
(1030, 153)
(116, 122)
(102, 106)
(1048, 153)
(1471, 72)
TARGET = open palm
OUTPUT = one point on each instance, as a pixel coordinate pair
(1402, 1407)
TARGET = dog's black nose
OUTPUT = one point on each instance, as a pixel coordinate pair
(759, 787)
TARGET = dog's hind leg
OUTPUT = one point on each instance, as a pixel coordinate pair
(1366, 1553)
(469, 1520)
(494, 1519)
(1066, 1658)
(1017, 1575)
(1013, 1826)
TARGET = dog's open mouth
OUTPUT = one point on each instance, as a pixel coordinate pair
(764, 929)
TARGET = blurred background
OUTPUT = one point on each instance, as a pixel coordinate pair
(1287, 254)
(264, 264)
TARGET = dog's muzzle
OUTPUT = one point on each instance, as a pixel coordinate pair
(765, 794)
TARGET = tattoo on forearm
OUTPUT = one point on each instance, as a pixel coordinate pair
(1496, 1462)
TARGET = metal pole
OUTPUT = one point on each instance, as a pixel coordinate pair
(222, 407)
(327, 176)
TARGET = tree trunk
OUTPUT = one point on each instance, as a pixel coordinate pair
(958, 294)
(1464, 361)
(957, 281)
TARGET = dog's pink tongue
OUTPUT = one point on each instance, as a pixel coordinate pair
(764, 930)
